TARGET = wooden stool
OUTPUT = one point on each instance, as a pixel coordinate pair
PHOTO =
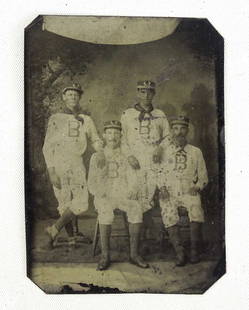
(117, 232)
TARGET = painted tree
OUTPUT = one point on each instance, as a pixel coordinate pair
(52, 62)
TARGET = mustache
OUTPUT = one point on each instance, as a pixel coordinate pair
(180, 139)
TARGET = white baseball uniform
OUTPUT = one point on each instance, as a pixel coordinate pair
(140, 138)
(64, 145)
(182, 169)
(111, 187)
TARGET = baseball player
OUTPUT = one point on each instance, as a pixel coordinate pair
(64, 145)
(146, 134)
(184, 175)
(115, 186)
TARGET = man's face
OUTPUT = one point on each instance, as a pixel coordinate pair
(71, 98)
(179, 133)
(112, 137)
(145, 95)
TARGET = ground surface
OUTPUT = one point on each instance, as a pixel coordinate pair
(161, 277)
(69, 270)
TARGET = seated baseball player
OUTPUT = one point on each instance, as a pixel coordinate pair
(184, 177)
(115, 186)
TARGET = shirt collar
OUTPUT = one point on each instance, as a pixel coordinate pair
(185, 149)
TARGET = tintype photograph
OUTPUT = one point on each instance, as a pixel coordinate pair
(124, 154)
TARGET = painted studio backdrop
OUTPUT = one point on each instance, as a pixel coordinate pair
(186, 63)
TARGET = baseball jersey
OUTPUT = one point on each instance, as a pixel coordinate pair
(141, 137)
(183, 168)
(115, 179)
(66, 138)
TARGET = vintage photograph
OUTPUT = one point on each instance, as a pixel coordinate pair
(124, 154)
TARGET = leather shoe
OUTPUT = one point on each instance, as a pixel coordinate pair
(138, 261)
(104, 263)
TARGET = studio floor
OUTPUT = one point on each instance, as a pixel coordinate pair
(73, 270)
(161, 277)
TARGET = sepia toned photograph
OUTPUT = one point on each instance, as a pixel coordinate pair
(124, 154)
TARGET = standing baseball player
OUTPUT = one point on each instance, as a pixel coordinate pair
(115, 186)
(145, 136)
(64, 145)
(184, 175)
